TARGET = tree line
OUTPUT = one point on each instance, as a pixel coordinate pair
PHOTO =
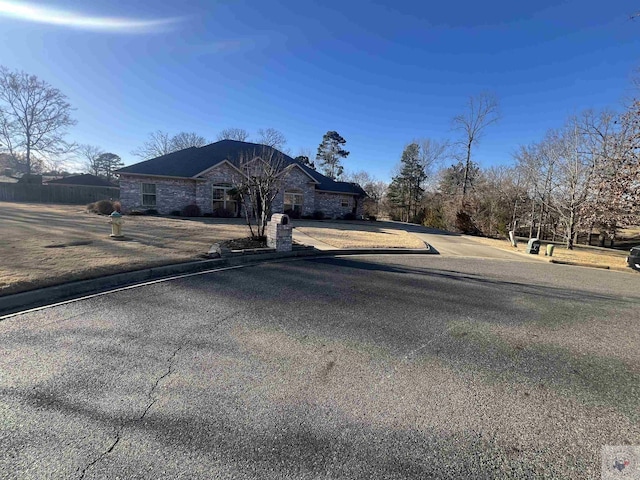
(580, 180)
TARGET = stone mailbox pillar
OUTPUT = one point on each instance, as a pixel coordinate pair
(279, 233)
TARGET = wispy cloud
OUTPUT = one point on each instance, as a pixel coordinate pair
(36, 13)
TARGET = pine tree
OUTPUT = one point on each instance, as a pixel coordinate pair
(406, 189)
(330, 152)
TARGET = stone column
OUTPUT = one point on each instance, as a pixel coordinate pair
(279, 233)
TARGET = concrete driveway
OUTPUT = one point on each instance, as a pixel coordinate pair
(455, 245)
(356, 367)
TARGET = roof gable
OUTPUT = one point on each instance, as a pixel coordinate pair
(193, 162)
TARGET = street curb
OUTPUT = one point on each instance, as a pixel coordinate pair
(580, 264)
(17, 302)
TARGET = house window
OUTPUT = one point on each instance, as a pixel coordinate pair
(223, 199)
(293, 202)
(345, 202)
(149, 194)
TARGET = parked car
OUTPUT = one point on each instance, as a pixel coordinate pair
(634, 258)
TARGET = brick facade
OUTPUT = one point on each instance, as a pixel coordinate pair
(331, 204)
(171, 194)
(175, 194)
(222, 174)
(298, 182)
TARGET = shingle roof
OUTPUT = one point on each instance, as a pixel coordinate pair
(192, 161)
(83, 179)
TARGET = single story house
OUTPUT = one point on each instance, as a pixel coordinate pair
(206, 177)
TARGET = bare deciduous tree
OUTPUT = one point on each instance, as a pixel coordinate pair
(432, 155)
(34, 117)
(613, 142)
(375, 189)
(272, 138)
(238, 134)
(261, 180)
(482, 111)
(90, 155)
(161, 143)
(184, 140)
(158, 144)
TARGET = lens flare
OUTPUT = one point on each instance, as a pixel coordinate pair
(39, 14)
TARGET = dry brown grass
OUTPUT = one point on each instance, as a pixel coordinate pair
(612, 258)
(44, 245)
(359, 235)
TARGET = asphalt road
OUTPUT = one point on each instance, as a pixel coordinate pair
(354, 367)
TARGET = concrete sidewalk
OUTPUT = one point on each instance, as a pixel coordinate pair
(304, 239)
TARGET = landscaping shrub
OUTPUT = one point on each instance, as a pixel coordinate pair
(175, 213)
(292, 213)
(135, 213)
(150, 211)
(207, 214)
(465, 224)
(103, 207)
(372, 218)
(191, 211)
(223, 213)
(318, 215)
(306, 217)
(349, 216)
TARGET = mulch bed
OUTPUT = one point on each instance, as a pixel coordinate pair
(244, 243)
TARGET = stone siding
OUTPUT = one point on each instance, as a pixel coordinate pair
(171, 194)
(331, 204)
(175, 194)
(221, 174)
(298, 181)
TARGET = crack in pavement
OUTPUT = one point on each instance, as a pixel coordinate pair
(150, 404)
(152, 399)
(158, 380)
(103, 454)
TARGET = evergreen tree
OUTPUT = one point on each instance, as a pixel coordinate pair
(107, 163)
(304, 160)
(406, 189)
(330, 152)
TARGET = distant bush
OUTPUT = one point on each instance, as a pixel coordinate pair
(175, 213)
(191, 211)
(135, 213)
(207, 214)
(372, 218)
(103, 207)
(150, 211)
(117, 206)
(223, 213)
(318, 215)
(349, 216)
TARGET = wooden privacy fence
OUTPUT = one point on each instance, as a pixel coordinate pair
(75, 194)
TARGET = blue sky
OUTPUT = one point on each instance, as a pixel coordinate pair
(381, 73)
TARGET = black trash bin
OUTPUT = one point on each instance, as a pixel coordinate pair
(533, 246)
